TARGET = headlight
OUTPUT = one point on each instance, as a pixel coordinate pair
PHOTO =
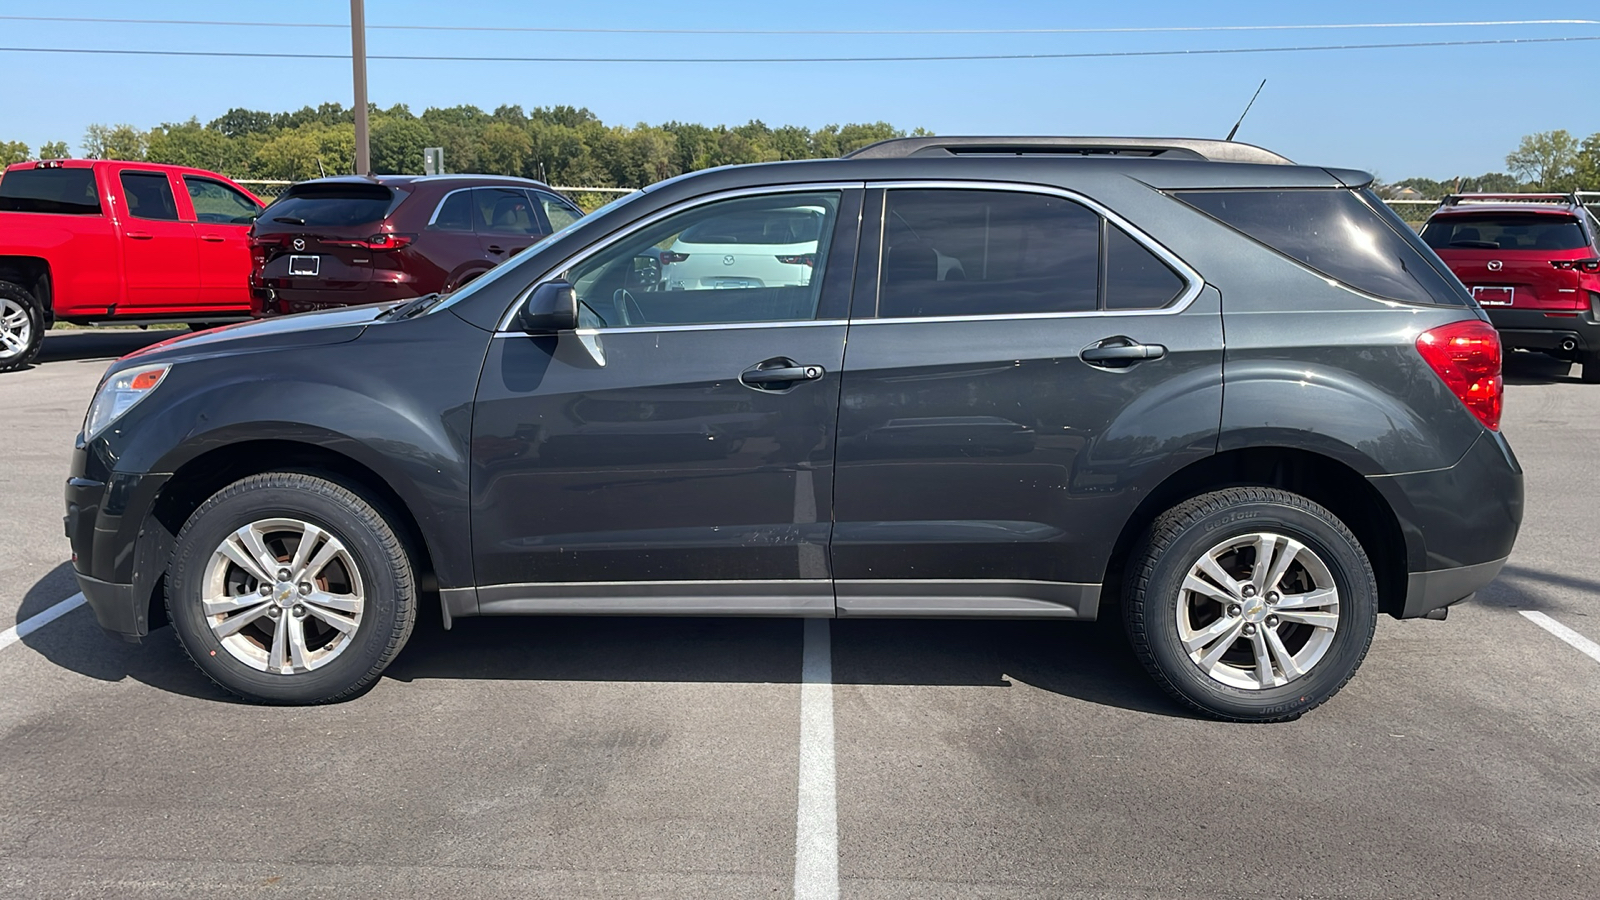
(118, 395)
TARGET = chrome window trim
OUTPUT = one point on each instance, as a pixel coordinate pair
(711, 326)
(1195, 283)
(681, 206)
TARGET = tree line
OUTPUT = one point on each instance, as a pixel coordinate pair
(557, 144)
(1554, 161)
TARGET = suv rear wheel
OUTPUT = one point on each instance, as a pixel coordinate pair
(1251, 604)
(21, 327)
(287, 588)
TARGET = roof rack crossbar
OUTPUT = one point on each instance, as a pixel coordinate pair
(1159, 148)
(1457, 199)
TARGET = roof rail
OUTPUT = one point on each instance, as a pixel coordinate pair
(1457, 199)
(1162, 148)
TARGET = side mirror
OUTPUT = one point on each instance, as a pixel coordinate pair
(553, 307)
(646, 272)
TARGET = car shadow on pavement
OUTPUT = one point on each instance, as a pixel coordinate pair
(73, 344)
(1088, 661)
(1519, 587)
(1537, 368)
(76, 643)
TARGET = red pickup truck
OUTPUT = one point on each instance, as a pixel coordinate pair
(97, 241)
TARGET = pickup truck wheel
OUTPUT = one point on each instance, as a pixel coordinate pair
(287, 588)
(21, 327)
(1251, 604)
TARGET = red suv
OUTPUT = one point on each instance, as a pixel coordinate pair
(1532, 261)
(349, 240)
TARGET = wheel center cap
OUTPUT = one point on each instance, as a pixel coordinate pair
(284, 594)
(1255, 610)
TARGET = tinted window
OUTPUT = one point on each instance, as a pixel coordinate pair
(216, 202)
(505, 211)
(656, 276)
(558, 211)
(331, 204)
(964, 253)
(149, 196)
(454, 214)
(1135, 277)
(792, 226)
(1335, 233)
(65, 191)
(1504, 231)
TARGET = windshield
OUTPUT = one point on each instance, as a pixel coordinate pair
(500, 271)
(1505, 231)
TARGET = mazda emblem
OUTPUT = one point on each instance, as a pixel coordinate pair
(727, 260)
(299, 243)
(1496, 265)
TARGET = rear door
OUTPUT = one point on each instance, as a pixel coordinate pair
(676, 453)
(223, 215)
(508, 222)
(160, 262)
(1022, 369)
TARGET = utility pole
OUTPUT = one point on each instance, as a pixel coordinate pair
(358, 65)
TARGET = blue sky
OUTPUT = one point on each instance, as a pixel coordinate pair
(1426, 111)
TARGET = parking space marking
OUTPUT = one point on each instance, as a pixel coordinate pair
(28, 626)
(1582, 644)
(816, 836)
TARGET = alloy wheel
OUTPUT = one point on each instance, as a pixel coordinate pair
(16, 328)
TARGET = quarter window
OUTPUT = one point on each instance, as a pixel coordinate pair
(752, 259)
(217, 203)
(973, 252)
(149, 196)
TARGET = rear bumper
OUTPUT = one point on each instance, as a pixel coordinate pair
(1536, 329)
(1427, 592)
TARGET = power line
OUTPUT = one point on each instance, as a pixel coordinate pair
(1167, 29)
(1104, 54)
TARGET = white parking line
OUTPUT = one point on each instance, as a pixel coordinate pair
(816, 844)
(28, 626)
(1584, 645)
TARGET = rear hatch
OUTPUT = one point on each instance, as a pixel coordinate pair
(1530, 260)
(324, 236)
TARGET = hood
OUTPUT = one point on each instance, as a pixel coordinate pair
(312, 329)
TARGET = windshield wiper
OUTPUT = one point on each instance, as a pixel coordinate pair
(288, 220)
(413, 307)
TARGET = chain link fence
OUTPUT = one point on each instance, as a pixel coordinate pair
(588, 199)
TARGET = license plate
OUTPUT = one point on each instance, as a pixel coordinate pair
(305, 265)
(1493, 296)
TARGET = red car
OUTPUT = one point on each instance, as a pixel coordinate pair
(348, 240)
(1533, 263)
(88, 241)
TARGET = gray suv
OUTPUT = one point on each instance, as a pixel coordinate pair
(1230, 399)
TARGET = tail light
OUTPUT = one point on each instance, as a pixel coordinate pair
(1581, 265)
(1466, 357)
(801, 259)
(381, 241)
(668, 257)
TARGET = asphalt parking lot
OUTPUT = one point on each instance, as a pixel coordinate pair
(680, 758)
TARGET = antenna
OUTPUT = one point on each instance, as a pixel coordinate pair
(1246, 111)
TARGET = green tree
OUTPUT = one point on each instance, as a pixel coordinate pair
(13, 152)
(398, 140)
(115, 142)
(54, 150)
(503, 149)
(190, 144)
(1586, 169)
(1544, 159)
(239, 122)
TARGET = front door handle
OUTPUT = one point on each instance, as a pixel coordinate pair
(139, 235)
(1120, 352)
(778, 374)
(213, 238)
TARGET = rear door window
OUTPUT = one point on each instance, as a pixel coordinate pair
(332, 204)
(1335, 233)
(60, 191)
(149, 196)
(1505, 231)
(1135, 277)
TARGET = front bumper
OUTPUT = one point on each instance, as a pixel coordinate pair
(115, 608)
(118, 552)
(1566, 331)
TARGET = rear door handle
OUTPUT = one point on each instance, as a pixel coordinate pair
(1120, 352)
(496, 248)
(779, 373)
(138, 235)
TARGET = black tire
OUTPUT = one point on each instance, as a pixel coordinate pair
(1177, 541)
(201, 326)
(33, 314)
(1591, 368)
(389, 608)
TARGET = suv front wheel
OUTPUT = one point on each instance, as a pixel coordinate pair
(288, 588)
(1251, 604)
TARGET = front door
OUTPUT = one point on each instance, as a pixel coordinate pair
(676, 453)
(508, 222)
(161, 265)
(222, 217)
(1029, 371)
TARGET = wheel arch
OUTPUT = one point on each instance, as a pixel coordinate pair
(32, 274)
(1327, 481)
(203, 475)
